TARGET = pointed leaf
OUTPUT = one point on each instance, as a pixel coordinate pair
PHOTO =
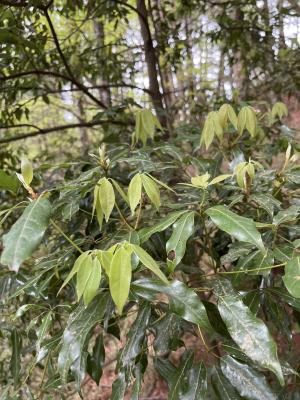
(106, 197)
(241, 228)
(8, 182)
(26, 171)
(161, 225)
(77, 265)
(148, 262)
(135, 192)
(183, 228)
(26, 234)
(291, 278)
(152, 190)
(249, 332)
(248, 382)
(120, 277)
(75, 339)
(184, 302)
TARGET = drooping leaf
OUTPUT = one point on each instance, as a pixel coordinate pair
(249, 332)
(184, 302)
(197, 383)
(222, 387)
(77, 332)
(291, 278)
(152, 190)
(43, 329)
(258, 261)
(135, 338)
(241, 228)
(247, 120)
(120, 277)
(182, 230)
(26, 234)
(249, 383)
(167, 333)
(148, 262)
(226, 112)
(179, 382)
(81, 260)
(161, 225)
(88, 279)
(106, 197)
(96, 360)
(135, 192)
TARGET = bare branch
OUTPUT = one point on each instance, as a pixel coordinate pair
(44, 131)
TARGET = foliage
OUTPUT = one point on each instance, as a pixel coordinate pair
(198, 242)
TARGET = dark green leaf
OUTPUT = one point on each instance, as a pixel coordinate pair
(15, 361)
(78, 330)
(8, 182)
(249, 332)
(184, 302)
(291, 278)
(26, 234)
(248, 382)
(182, 230)
(241, 228)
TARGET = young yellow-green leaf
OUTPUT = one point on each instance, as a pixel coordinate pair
(182, 230)
(279, 109)
(135, 192)
(93, 282)
(226, 112)
(148, 123)
(240, 172)
(120, 277)
(250, 333)
(26, 171)
(247, 120)
(291, 278)
(241, 228)
(76, 267)
(219, 178)
(148, 261)
(151, 189)
(106, 197)
(138, 125)
(160, 182)
(217, 125)
(105, 258)
(208, 132)
(96, 198)
(201, 181)
(88, 279)
(120, 191)
(26, 233)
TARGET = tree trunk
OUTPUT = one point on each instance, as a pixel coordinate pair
(152, 63)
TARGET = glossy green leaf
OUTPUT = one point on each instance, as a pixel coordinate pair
(15, 361)
(120, 277)
(135, 338)
(26, 234)
(167, 332)
(249, 383)
(179, 382)
(260, 262)
(119, 387)
(77, 332)
(291, 278)
(96, 360)
(161, 225)
(8, 182)
(222, 387)
(184, 302)
(148, 261)
(152, 190)
(288, 215)
(26, 171)
(135, 192)
(43, 329)
(241, 228)
(106, 197)
(249, 332)
(183, 228)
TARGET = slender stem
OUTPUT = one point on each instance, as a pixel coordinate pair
(252, 270)
(139, 215)
(123, 218)
(65, 236)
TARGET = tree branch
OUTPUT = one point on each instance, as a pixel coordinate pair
(13, 3)
(42, 131)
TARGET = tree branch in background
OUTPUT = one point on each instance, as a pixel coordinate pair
(41, 131)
